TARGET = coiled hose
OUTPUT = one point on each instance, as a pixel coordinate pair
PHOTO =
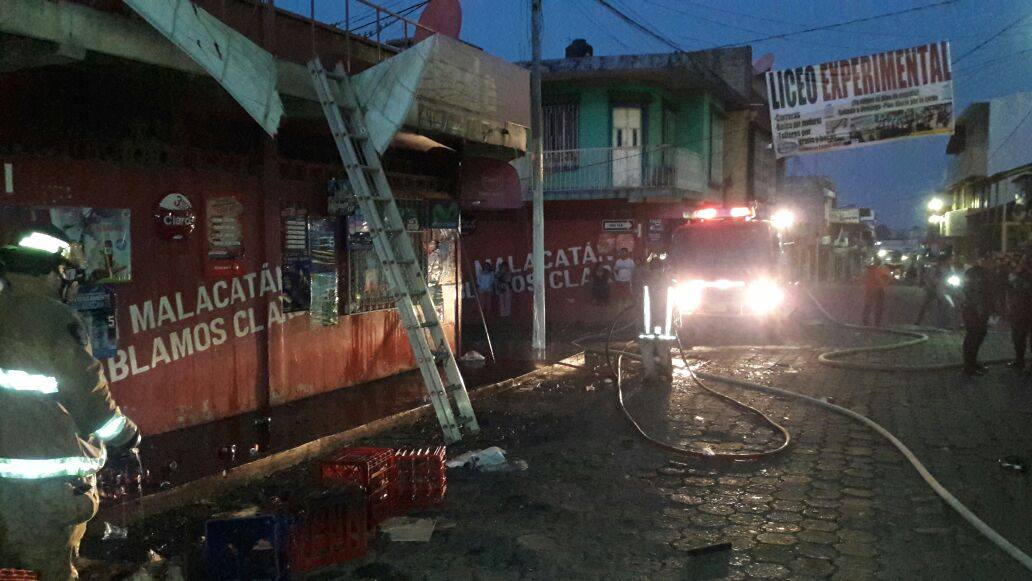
(831, 358)
(835, 358)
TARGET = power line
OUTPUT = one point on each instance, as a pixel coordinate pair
(639, 26)
(841, 24)
(1011, 135)
(991, 38)
(775, 20)
(752, 30)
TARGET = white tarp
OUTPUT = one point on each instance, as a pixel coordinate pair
(444, 85)
(1010, 133)
(243, 68)
(862, 100)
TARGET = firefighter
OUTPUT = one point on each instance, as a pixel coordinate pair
(976, 308)
(58, 422)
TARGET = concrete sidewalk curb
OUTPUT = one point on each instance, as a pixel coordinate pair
(211, 486)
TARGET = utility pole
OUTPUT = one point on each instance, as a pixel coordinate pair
(537, 162)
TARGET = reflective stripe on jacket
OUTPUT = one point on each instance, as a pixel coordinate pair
(56, 411)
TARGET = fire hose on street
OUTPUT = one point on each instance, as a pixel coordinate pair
(832, 358)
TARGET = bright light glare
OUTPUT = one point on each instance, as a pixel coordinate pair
(953, 280)
(688, 297)
(906, 257)
(706, 214)
(882, 253)
(935, 219)
(763, 296)
(783, 219)
(740, 212)
(936, 205)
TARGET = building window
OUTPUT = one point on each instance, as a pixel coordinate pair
(716, 154)
(368, 287)
(561, 140)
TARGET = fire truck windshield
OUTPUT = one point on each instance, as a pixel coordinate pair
(724, 247)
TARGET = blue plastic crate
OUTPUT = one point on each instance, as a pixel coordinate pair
(247, 549)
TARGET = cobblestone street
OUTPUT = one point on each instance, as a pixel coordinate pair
(841, 503)
(598, 502)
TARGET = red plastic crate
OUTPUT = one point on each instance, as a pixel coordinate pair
(372, 468)
(380, 505)
(331, 529)
(18, 575)
(422, 479)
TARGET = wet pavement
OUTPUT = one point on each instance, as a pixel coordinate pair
(185, 455)
(597, 502)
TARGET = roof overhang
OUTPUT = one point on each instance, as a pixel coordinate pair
(45, 32)
(676, 72)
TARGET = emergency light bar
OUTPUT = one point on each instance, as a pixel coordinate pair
(713, 213)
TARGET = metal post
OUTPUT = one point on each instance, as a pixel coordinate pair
(347, 29)
(1003, 230)
(537, 162)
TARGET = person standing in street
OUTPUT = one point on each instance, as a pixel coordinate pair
(601, 276)
(975, 310)
(1019, 302)
(932, 281)
(485, 285)
(623, 273)
(58, 421)
(503, 290)
(876, 280)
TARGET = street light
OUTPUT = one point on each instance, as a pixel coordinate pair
(936, 205)
(783, 220)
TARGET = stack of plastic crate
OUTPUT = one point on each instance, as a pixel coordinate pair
(328, 528)
(254, 547)
(374, 469)
(422, 478)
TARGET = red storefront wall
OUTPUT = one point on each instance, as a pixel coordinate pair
(188, 363)
(575, 240)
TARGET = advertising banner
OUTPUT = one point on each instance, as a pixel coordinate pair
(104, 236)
(862, 100)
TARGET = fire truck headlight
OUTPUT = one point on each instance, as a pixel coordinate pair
(688, 297)
(763, 296)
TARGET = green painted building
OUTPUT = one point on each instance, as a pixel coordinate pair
(678, 126)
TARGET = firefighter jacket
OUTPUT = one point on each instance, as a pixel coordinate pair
(56, 412)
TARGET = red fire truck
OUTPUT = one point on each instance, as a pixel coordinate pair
(725, 262)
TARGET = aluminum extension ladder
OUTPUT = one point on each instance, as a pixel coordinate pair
(394, 249)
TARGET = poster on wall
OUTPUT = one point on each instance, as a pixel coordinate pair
(95, 305)
(444, 214)
(440, 266)
(862, 100)
(104, 236)
(297, 261)
(325, 284)
(225, 232)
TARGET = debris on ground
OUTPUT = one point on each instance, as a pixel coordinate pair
(409, 529)
(1015, 463)
(487, 460)
(114, 532)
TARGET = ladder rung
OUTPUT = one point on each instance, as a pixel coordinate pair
(402, 261)
(425, 325)
(363, 167)
(376, 198)
(392, 230)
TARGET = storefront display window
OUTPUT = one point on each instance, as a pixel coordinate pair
(368, 287)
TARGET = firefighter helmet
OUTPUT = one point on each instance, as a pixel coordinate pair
(38, 250)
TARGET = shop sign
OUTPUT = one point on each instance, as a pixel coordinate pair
(617, 225)
(444, 215)
(175, 218)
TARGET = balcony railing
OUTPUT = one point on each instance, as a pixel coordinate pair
(661, 168)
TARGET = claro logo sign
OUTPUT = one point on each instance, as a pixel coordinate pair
(175, 217)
